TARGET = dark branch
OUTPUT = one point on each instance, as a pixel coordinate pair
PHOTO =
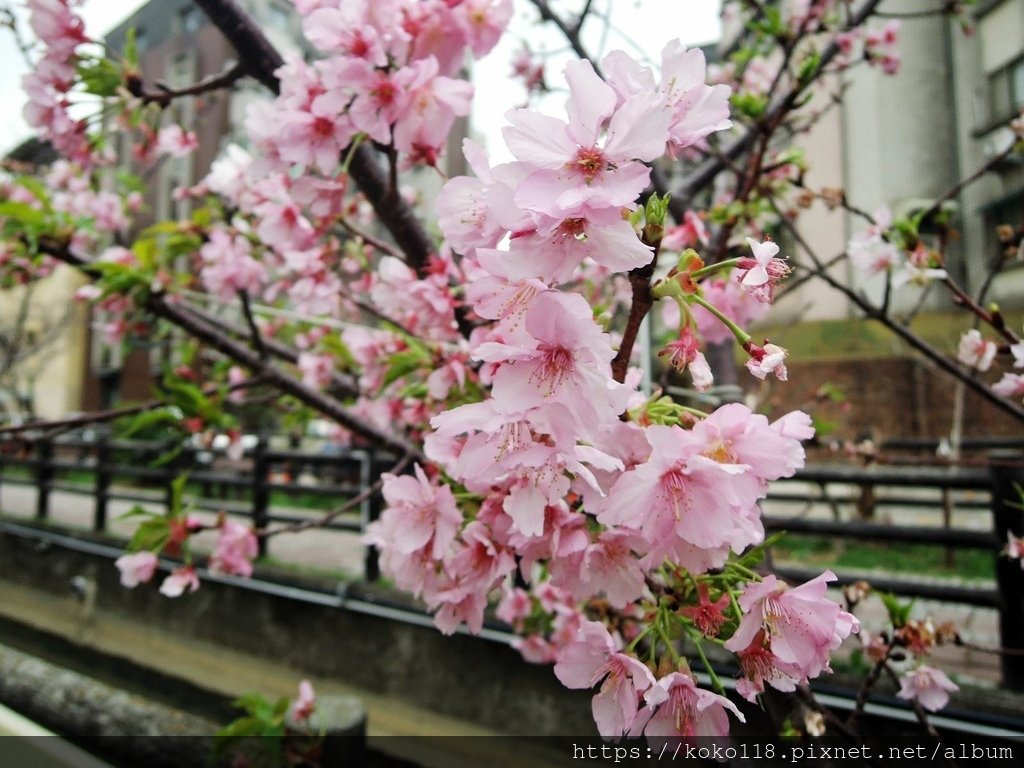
(164, 94)
(262, 60)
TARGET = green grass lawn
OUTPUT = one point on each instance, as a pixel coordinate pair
(923, 559)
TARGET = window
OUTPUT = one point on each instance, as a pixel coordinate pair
(1006, 90)
(191, 19)
(279, 17)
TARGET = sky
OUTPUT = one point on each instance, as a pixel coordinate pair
(646, 25)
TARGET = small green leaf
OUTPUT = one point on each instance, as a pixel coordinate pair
(898, 612)
(22, 212)
(151, 535)
(131, 49)
(178, 485)
(809, 67)
(100, 77)
(137, 511)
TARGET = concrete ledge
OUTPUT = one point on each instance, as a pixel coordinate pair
(122, 723)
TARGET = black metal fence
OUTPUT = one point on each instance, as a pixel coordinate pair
(263, 485)
(259, 485)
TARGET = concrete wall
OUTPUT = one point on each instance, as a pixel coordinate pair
(475, 680)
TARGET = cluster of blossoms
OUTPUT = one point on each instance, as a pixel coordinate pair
(906, 648)
(61, 31)
(1012, 384)
(543, 480)
(552, 485)
(880, 47)
(233, 554)
(880, 249)
(75, 201)
(388, 76)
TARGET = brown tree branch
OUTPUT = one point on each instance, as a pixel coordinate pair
(218, 339)
(58, 426)
(872, 312)
(640, 306)
(703, 175)
(262, 61)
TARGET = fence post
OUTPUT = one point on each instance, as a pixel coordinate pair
(102, 482)
(169, 470)
(44, 476)
(1007, 468)
(369, 471)
(260, 491)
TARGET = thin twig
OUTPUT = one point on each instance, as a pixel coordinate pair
(940, 360)
(164, 94)
(254, 330)
(376, 242)
(348, 506)
(58, 426)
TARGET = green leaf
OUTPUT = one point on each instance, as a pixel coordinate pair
(899, 612)
(101, 77)
(823, 427)
(177, 494)
(403, 363)
(755, 556)
(151, 535)
(160, 228)
(809, 67)
(131, 48)
(22, 212)
(137, 511)
(147, 420)
(168, 456)
(259, 708)
(38, 190)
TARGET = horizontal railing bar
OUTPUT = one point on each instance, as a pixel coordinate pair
(958, 537)
(980, 596)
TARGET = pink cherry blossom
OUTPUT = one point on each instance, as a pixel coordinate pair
(1015, 548)
(928, 686)
(592, 659)
(562, 355)
(236, 547)
(136, 568)
(676, 707)
(684, 353)
(228, 265)
(707, 616)
(176, 142)
(692, 233)
(483, 22)
(769, 359)
(975, 351)
(316, 369)
(345, 30)
(418, 514)
(696, 109)
(303, 706)
(801, 625)
(180, 579)
(677, 495)
(762, 273)
(1011, 385)
(580, 174)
